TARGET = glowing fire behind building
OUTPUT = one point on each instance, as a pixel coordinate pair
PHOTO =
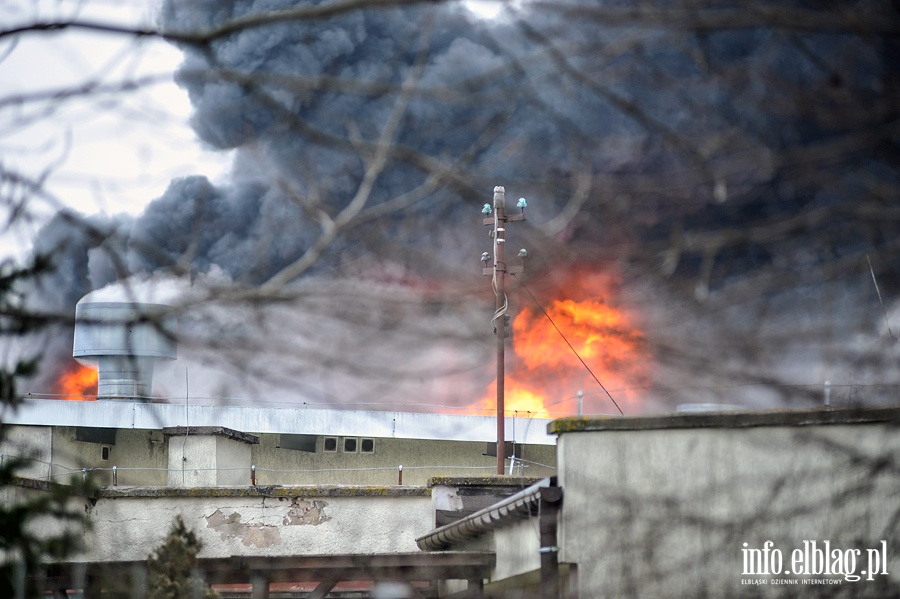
(77, 382)
(579, 341)
(574, 338)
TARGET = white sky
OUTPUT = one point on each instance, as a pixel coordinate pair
(109, 154)
(112, 154)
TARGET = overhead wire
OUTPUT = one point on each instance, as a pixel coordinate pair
(881, 301)
(571, 347)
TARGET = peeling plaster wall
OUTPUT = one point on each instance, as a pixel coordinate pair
(129, 528)
(665, 512)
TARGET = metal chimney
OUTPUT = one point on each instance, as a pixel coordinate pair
(124, 340)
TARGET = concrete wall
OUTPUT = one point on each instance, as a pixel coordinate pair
(140, 457)
(421, 460)
(284, 521)
(145, 458)
(41, 525)
(663, 507)
(517, 548)
(235, 456)
(33, 444)
(207, 461)
(128, 524)
(516, 573)
(192, 461)
(417, 441)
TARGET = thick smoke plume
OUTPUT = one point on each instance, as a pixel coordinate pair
(735, 170)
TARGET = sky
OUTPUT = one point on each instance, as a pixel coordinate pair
(100, 163)
(103, 163)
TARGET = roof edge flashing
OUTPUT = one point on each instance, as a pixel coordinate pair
(729, 419)
(513, 508)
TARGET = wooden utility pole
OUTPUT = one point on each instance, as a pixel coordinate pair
(498, 273)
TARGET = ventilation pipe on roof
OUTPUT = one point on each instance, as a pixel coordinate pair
(124, 340)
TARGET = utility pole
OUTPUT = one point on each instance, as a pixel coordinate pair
(497, 218)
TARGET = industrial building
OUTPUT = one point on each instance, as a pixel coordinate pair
(333, 503)
(135, 443)
(658, 506)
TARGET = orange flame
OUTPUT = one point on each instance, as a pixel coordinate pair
(544, 374)
(78, 383)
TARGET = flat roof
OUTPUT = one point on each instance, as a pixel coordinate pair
(123, 414)
(730, 419)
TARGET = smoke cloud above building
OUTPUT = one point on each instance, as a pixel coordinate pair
(730, 172)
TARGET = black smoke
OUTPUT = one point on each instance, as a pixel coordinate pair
(740, 172)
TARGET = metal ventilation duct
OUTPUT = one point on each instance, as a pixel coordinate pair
(124, 340)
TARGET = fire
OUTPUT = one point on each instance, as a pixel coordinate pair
(520, 400)
(78, 383)
(543, 372)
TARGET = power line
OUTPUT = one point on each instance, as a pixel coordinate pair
(880, 301)
(574, 351)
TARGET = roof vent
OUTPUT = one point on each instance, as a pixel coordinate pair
(124, 340)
